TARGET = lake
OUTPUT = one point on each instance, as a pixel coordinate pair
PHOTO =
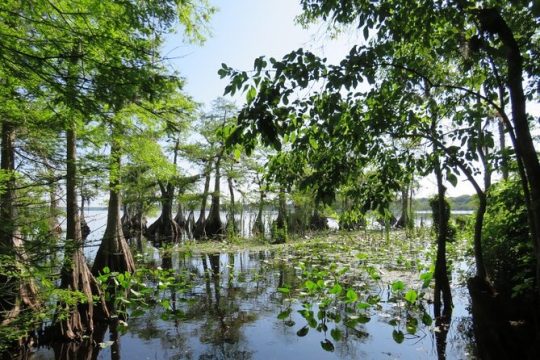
(340, 296)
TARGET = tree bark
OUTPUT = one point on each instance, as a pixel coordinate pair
(442, 283)
(258, 226)
(165, 229)
(190, 224)
(114, 251)
(199, 228)
(482, 206)
(214, 226)
(492, 22)
(54, 226)
(18, 293)
(75, 274)
(404, 221)
(280, 224)
(180, 217)
(85, 229)
(231, 226)
(502, 145)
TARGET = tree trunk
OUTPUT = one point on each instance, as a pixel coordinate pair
(85, 229)
(133, 222)
(403, 221)
(492, 22)
(114, 251)
(199, 228)
(258, 226)
(279, 227)
(75, 274)
(502, 145)
(180, 217)
(165, 229)
(54, 226)
(126, 221)
(231, 226)
(214, 226)
(318, 222)
(190, 224)
(482, 205)
(18, 293)
(442, 283)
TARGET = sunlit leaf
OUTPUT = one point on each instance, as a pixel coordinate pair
(398, 286)
(336, 289)
(411, 296)
(352, 296)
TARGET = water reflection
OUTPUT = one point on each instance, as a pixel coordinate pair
(233, 310)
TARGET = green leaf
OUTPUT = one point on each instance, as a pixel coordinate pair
(222, 73)
(426, 278)
(283, 290)
(336, 334)
(166, 304)
(452, 179)
(284, 314)
(398, 286)
(237, 153)
(426, 319)
(310, 285)
(398, 336)
(327, 345)
(303, 331)
(363, 306)
(336, 289)
(313, 143)
(363, 319)
(411, 328)
(352, 296)
(251, 94)
(362, 256)
(411, 296)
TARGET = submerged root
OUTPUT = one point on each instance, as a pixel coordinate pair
(20, 297)
(73, 322)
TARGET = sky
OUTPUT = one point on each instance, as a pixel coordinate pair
(243, 30)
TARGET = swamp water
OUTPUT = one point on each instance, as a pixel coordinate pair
(339, 296)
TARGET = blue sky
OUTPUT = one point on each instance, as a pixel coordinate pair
(241, 31)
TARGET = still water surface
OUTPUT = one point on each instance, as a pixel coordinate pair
(231, 312)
